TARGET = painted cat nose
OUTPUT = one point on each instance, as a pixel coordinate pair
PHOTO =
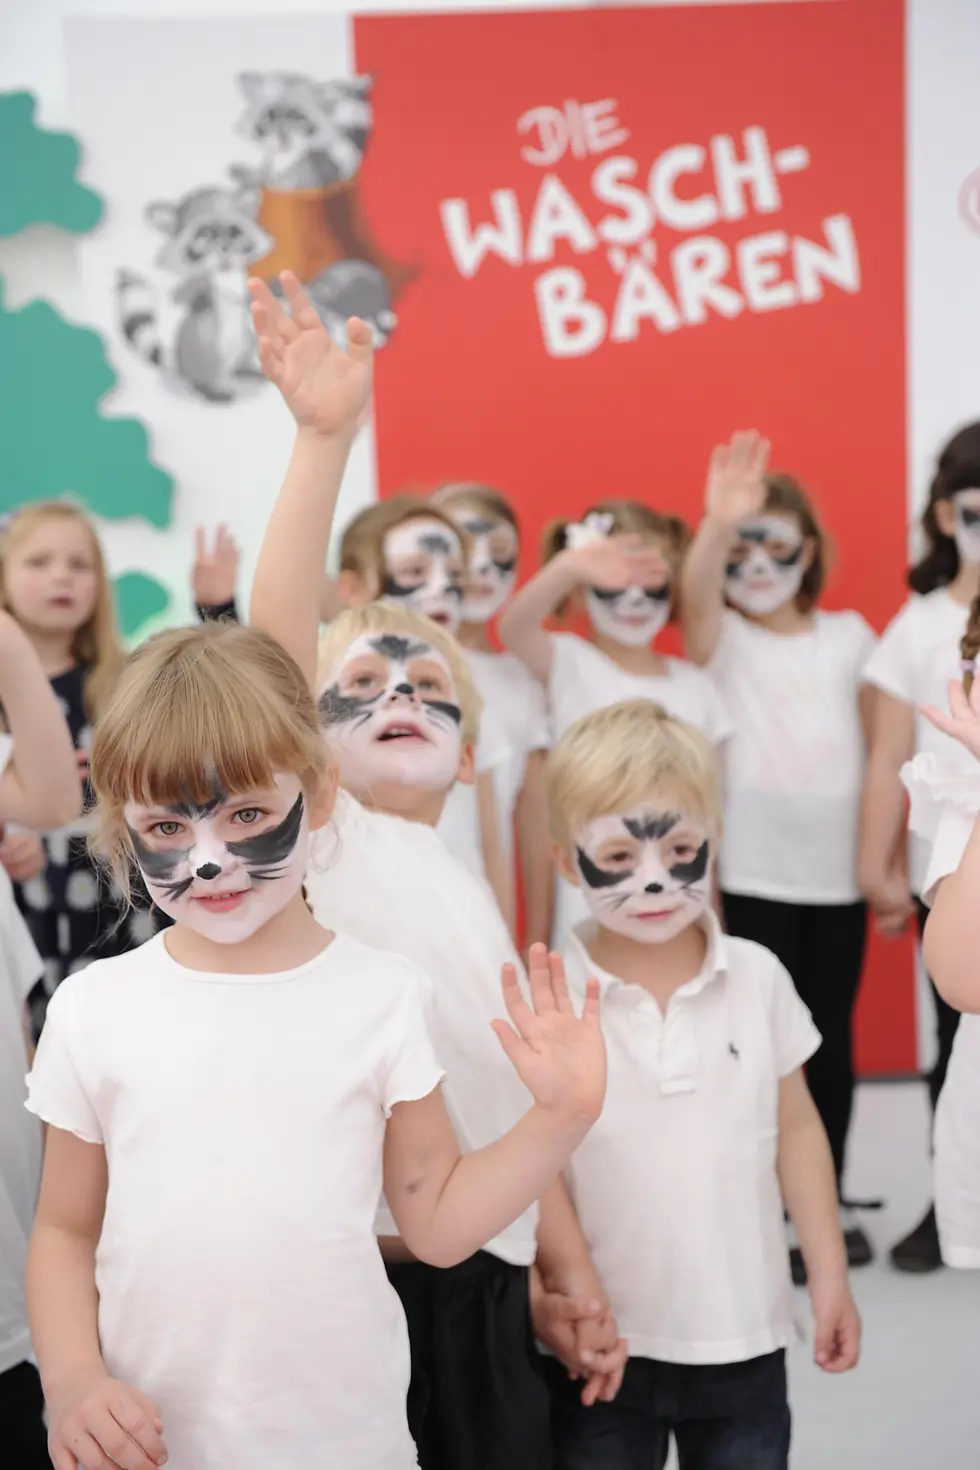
(207, 871)
(654, 888)
(408, 689)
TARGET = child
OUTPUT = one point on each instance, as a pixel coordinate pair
(944, 809)
(911, 667)
(53, 582)
(401, 714)
(38, 785)
(508, 690)
(410, 553)
(708, 1124)
(622, 567)
(241, 1315)
(790, 675)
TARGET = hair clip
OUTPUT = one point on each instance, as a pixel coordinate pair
(596, 527)
(968, 665)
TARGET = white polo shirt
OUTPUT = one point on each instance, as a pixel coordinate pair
(944, 805)
(676, 1186)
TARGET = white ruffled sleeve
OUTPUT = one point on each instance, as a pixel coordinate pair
(944, 805)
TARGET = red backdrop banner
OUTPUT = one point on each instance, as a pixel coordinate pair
(635, 231)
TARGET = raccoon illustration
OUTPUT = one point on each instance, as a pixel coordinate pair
(312, 134)
(202, 334)
(353, 288)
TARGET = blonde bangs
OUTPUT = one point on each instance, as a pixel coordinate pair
(624, 756)
(378, 617)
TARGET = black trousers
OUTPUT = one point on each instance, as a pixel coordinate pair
(724, 1416)
(22, 1431)
(947, 1020)
(478, 1400)
(822, 947)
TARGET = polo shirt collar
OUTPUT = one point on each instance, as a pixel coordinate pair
(715, 965)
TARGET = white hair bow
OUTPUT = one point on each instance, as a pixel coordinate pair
(595, 527)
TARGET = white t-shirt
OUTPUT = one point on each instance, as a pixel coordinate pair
(583, 679)
(516, 699)
(20, 1135)
(944, 808)
(676, 1186)
(916, 657)
(793, 767)
(240, 1283)
(392, 884)
(459, 824)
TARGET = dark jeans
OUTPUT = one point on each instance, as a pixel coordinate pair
(24, 1437)
(729, 1416)
(477, 1400)
(822, 947)
(947, 1020)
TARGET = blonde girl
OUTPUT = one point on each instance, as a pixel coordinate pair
(511, 694)
(53, 581)
(620, 567)
(225, 1107)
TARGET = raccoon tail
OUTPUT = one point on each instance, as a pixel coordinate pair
(138, 316)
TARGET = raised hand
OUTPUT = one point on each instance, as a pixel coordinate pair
(613, 563)
(736, 488)
(963, 720)
(560, 1057)
(326, 389)
(105, 1420)
(214, 575)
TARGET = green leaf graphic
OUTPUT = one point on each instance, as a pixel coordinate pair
(37, 174)
(139, 599)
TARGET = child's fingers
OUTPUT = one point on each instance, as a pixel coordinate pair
(540, 979)
(360, 340)
(937, 717)
(513, 1045)
(200, 544)
(517, 1007)
(62, 1458)
(591, 1008)
(87, 1453)
(559, 985)
(139, 1418)
(959, 704)
(301, 308)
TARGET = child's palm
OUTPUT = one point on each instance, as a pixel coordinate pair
(619, 562)
(736, 487)
(325, 388)
(560, 1057)
(963, 720)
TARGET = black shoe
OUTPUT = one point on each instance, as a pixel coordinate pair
(919, 1252)
(859, 1249)
(797, 1266)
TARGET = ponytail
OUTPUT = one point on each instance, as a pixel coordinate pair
(970, 644)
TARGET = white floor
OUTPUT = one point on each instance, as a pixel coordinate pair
(914, 1401)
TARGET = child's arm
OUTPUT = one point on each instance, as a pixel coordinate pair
(735, 491)
(495, 863)
(951, 941)
(40, 786)
(611, 562)
(92, 1414)
(447, 1205)
(326, 390)
(806, 1177)
(883, 813)
(534, 852)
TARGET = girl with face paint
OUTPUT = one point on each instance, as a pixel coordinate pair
(792, 676)
(706, 1038)
(918, 655)
(410, 554)
(511, 694)
(226, 1106)
(619, 567)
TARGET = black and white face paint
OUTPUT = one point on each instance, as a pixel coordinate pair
(765, 566)
(493, 564)
(645, 874)
(632, 617)
(391, 713)
(424, 570)
(966, 504)
(227, 866)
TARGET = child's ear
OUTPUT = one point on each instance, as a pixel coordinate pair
(566, 864)
(356, 589)
(323, 799)
(466, 774)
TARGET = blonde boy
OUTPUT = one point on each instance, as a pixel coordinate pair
(708, 1125)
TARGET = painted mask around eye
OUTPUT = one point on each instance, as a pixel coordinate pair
(493, 565)
(645, 874)
(215, 873)
(766, 568)
(423, 570)
(966, 504)
(391, 714)
(632, 617)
